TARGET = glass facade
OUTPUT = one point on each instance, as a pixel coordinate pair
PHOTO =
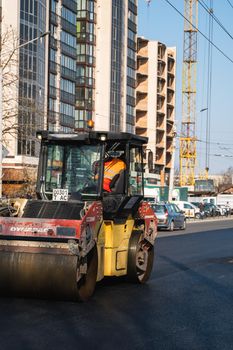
(31, 75)
(117, 62)
(62, 65)
(131, 66)
(85, 82)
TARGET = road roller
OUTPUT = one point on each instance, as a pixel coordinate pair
(75, 232)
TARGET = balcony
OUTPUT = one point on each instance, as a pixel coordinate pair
(171, 65)
(161, 103)
(70, 4)
(169, 147)
(86, 38)
(89, 16)
(53, 92)
(142, 86)
(86, 59)
(170, 113)
(66, 120)
(67, 26)
(168, 160)
(160, 125)
(142, 45)
(159, 157)
(53, 42)
(161, 51)
(85, 104)
(53, 18)
(142, 105)
(141, 132)
(68, 50)
(141, 58)
(53, 67)
(140, 95)
(67, 97)
(141, 122)
(85, 81)
(68, 73)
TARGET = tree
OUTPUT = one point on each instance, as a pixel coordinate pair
(226, 180)
(22, 113)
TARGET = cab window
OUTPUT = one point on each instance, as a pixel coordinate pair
(135, 172)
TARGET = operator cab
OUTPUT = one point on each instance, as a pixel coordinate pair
(71, 168)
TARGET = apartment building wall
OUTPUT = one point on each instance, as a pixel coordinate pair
(155, 108)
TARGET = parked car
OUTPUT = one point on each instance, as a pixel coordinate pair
(169, 216)
(211, 209)
(224, 209)
(190, 210)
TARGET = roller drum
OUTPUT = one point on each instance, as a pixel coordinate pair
(40, 272)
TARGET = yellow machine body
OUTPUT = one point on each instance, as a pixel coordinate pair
(113, 242)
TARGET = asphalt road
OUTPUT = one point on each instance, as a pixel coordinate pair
(187, 304)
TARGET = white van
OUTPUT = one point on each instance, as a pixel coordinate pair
(190, 210)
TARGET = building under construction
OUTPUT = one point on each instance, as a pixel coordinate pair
(155, 103)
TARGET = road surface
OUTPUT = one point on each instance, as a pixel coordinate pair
(187, 304)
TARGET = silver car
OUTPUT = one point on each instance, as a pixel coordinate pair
(169, 216)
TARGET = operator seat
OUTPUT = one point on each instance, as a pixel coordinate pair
(117, 184)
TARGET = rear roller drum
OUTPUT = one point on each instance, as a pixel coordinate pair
(140, 258)
(86, 285)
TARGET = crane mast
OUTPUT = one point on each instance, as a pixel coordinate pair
(188, 138)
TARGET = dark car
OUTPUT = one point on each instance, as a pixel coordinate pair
(211, 209)
(169, 216)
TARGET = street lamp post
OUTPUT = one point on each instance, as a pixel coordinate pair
(42, 35)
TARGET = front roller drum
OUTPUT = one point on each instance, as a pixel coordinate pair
(47, 274)
(140, 258)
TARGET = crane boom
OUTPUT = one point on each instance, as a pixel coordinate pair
(188, 138)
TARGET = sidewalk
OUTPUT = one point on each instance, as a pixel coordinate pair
(214, 218)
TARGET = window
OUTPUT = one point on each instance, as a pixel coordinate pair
(68, 86)
(68, 39)
(131, 73)
(54, 6)
(68, 62)
(132, 16)
(52, 80)
(136, 172)
(67, 109)
(52, 104)
(53, 55)
(68, 15)
(71, 167)
(131, 35)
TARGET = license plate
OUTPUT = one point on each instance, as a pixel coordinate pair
(60, 194)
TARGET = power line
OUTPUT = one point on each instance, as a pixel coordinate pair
(216, 47)
(211, 13)
(230, 3)
(209, 142)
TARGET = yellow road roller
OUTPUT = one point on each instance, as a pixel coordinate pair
(88, 221)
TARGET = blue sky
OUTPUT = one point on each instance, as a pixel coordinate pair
(160, 22)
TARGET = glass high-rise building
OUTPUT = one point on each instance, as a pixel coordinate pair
(106, 64)
(62, 65)
(84, 69)
(43, 73)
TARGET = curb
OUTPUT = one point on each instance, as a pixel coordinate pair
(220, 218)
